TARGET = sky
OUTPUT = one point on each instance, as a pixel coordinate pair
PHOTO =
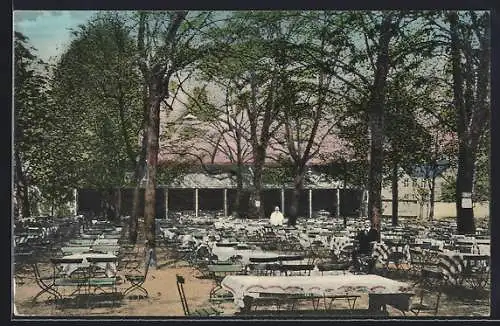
(49, 31)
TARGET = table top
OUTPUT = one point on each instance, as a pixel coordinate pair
(225, 268)
(241, 285)
(109, 266)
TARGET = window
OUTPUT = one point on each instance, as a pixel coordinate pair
(406, 183)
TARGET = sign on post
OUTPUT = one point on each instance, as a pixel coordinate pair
(466, 200)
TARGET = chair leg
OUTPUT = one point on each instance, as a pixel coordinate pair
(138, 287)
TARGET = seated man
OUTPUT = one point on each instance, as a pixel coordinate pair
(362, 256)
(276, 217)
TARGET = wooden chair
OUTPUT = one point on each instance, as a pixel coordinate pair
(200, 312)
(137, 280)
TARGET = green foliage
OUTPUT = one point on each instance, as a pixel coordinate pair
(77, 125)
(34, 120)
(96, 88)
(448, 190)
(171, 171)
(277, 175)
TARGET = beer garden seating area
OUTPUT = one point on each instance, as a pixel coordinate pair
(306, 269)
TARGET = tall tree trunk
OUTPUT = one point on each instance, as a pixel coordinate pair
(472, 111)
(239, 190)
(395, 195)
(376, 113)
(298, 184)
(140, 168)
(432, 195)
(465, 177)
(152, 163)
(118, 203)
(22, 193)
(256, 205)
(139, 175)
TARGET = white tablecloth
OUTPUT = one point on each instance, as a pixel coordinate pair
(107, 242)
(241, 285)
(109, 267)
(484, 249)
(168, 233)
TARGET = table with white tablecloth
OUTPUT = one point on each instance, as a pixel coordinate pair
(108, 266)
(105, 242)
(224, 253)
(245, 285)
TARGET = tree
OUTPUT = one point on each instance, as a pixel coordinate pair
(376, 29)
(98, 62)
(470, 59)
(403, 153)
(225, 132)
(309, 101)
(253, 43)
(30, 103)
(175, 42)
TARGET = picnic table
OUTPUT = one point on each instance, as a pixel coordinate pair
(383, 290)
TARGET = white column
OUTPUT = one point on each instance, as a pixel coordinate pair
(367, 201)
(165, 191)
(283, 201)
(196, 201)
(310, 202)
(75, 204)
(225, 202)
(338, 202)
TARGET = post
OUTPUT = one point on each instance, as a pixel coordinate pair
(283, 200)
(196, 201)
(310, 202)
(165, 191)
(75, 204)
(118, 213)
(337, 213)
(225, 202)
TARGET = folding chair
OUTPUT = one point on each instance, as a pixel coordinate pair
(201, 312)
(137, 280)
(429, 289)
(46, 284)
